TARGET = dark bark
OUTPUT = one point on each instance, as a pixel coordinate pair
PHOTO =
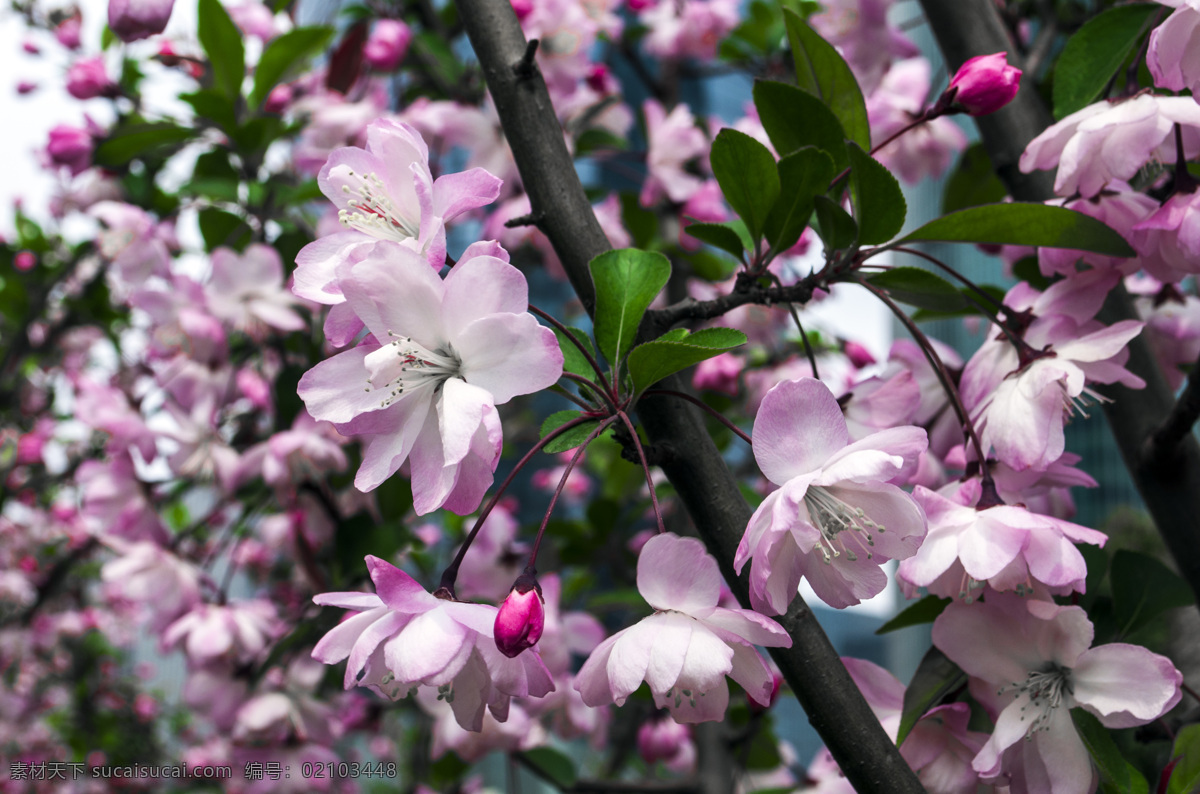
(1168, 478)
(708, 489)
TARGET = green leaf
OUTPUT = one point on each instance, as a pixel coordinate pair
(222, 42)
(1185, 777)
(835, 226)
(1094, 54)
(553, 765)
(972, 301)
(286, 52)
(717, 234)
(1144, 588)
(655, 360)
(794, 118)
(924, 611)
(1024, 224)
(214, 106)
(710, 266)
(746, 172)
(626, 282)
(573, 358)
(803, 175)
(936, 677)
(878, 201)
(1116, 774)
(138, 140)
(569, 439)
(919, 287)
(973, 181)
(221, 228)
(821, 71)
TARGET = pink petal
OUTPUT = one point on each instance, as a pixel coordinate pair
(799, 426)
(397, 589)
(752, 674)
(454, 194)
(678, 573)
(336, 389)
(672, 634)
(1125, 685)
(747, 626)
(481, 286)
(432, 649)
(393, 290)
(508, 354)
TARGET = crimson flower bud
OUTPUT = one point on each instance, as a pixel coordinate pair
(985, 84)
(662, 740)
(521, 618)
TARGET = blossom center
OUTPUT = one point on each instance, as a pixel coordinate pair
(832, 517)
(1047, 689)
(1078, 403)
(371, 210)
(404, 367)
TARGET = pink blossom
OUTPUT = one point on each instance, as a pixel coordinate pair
(521, 618)
(133, 241)
(1173, 329)
(237, 632)
(836, 517)
(1171, 56)
(672, 140)
(254, 19)
(69, 31)
(442, 355)
(517, 731)
(1112, 140)
(70, 147)
(387, 44)
(154, 578)
(87, 78)
(689, 28)
(1005, 546)
(138, 19)
(667, 741)
(278, 100)
(985, 83)
(719, 373)
(1169, 239)
(687, 647)
(24, 261)
(387, 192)
(1120, 208)
(246, 290)
(404, 637)
(1030, 664)
(26, 87)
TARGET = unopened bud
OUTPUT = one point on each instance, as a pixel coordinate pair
(521, 618)
(984, 84)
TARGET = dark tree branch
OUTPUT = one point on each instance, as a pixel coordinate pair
(1161, 446)
(965, 28)
(836, 708)
(746, 292)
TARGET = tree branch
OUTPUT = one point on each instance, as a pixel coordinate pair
(965, 28)
(836, 708)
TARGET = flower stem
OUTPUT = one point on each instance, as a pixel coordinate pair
(943, 375)
(450, 575)
(562, 483)
(700, 404)
(582, 347)
(637, 443)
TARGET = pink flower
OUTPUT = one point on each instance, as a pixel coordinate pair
(689, 28)
(687, 647)
(386, 192)
(1030, 664)
(442, 356)
(836, 516)
(1005, 546)
(1171, 56)
(1108, 141)
(237, 632)
(1119, 207)
(386, 46)
(138, 19)
(1169, 239)
(860, 29)
(405, 637)
(87, 78)
(247, 291)
(69, 31)
(70, 147)
(165, 585)
(24, 261)
(521, 618)
(672, 140)
(985, 84)
(667, 741)
(254, 19)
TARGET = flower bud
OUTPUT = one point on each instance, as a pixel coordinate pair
(521, 618)
(664, 739)
(984, 84)
(70, 147)
(131, 20)
(87, 79)
(387, 44)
